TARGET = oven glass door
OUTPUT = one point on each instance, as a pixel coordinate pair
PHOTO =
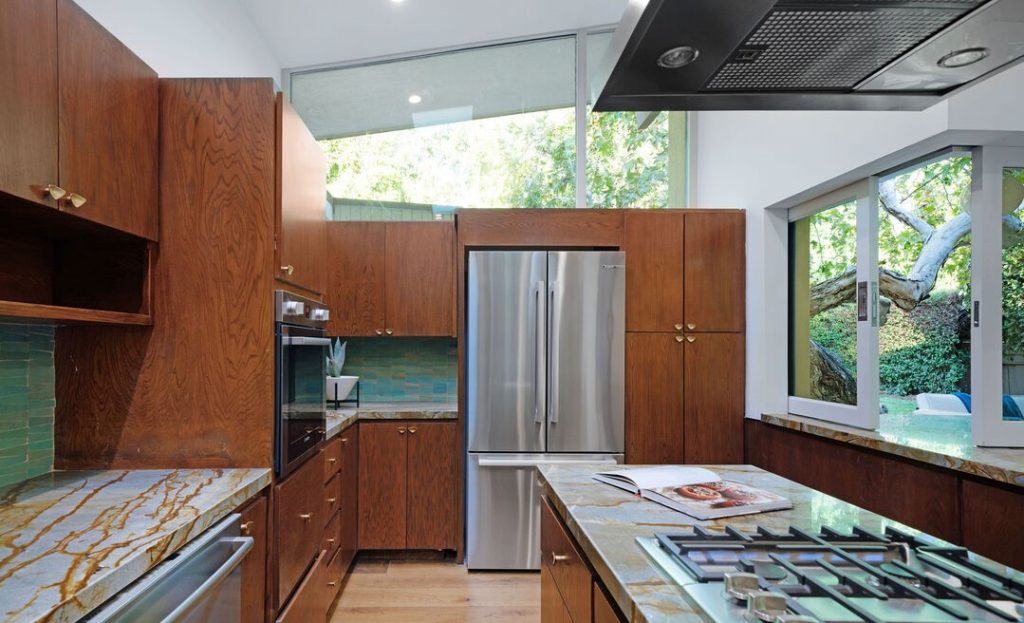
(302, 355)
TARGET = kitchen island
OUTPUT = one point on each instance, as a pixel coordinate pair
(605, 523)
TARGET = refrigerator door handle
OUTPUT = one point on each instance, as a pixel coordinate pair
(482, 462)
(553, 320)
(539, 370)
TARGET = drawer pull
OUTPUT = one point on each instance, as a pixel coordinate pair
(379, 332)
(343, 440)
(679, 338)
(332, 584)
(332, 500)
(690, 338)
(306, 516)
(679, 327)
(288, 270)
(332, 459)
(246, 528)
(389, 331)
(691, 326)
(412, 430)
(76, 200)
(55, 192)
(557, 558)
(401, 430)
(330, 541)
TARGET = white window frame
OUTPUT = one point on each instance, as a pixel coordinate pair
(987, 425)
(864, 414)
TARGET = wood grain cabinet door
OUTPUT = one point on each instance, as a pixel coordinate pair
(254, 567)
(28, 99)
(713, 396)
(349, 495)
(299, 523)
(109, 126)
(301, 202)
(311, 599)
(715, 271)
(355, 278)
(431, 521)
(653, 243)
(552, 608)
(604, 611)
(382, 485)
(654, 398)
(420, 277)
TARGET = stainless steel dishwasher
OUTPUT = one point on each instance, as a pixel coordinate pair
(200, 583)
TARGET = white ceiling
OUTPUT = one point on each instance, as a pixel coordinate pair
(314, 32)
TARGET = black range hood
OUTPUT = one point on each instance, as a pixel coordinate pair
(804, 54)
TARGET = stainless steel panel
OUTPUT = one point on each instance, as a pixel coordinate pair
(586, 351)
(504, 351)
(503, 507)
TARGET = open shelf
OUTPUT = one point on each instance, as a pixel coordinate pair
(70, 315)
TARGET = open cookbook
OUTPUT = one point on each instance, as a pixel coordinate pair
(695, 491)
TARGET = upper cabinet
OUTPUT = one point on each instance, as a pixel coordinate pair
(301, 202)
(686, 270)
(395, 278)
(81, 112)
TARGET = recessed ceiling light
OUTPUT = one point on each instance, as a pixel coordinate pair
(415, 99)
(963, 58)
(678, 57)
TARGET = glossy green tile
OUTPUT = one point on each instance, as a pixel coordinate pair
(26, 401)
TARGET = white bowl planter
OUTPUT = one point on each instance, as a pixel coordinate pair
(339, 387)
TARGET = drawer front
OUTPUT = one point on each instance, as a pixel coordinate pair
(332, 458)
(300, 523)
(309, 604)
(565, 564)
(335, 576)
(332, 497)
(332, 535)
(604, 611)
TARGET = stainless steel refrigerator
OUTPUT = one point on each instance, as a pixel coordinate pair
(545, 359)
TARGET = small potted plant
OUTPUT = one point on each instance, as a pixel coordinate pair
(338, 386)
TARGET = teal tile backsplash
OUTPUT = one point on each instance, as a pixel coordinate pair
(26, 401)
(396, 369)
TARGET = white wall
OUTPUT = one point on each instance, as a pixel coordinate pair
(189, 38)
(753, 160)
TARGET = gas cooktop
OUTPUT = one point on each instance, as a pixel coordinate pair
(829, 576)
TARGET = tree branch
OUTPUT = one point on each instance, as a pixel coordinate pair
(892, 204)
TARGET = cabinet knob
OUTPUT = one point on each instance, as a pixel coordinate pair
(388, 331)
(332, 584)
(288, 270)
(379, 332)
(557, 558)
(691, 339)
(679, 338)
(412, 430)
(306, 516)
(330, 541)
(332, 500)
(76, 200)
(344, 440)
(246, 528)
(679, 327)
(54, 192)
(401, 430)
(691, 326)
(332, 459)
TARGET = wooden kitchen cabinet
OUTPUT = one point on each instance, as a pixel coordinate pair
(310, 602)
(713, 388)
(653, 243)
(552, 607)
(391, 278)
(349, 497)
(79, 112)
(714, 263)
(299, 523)
(564, 562)
(254, 567)
(654, 398)
(407, 485)
(604, 611)
(301, 239)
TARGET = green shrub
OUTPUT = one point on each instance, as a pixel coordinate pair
(836, 330)
(921, 351)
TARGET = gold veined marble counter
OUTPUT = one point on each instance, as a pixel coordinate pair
(338, 419)
(606, 522)
(71, 540)
(943, 441)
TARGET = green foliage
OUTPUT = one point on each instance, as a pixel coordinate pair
(626, 168)
(921, 351)
(836, 330)
(1013, 299)
(833, 241)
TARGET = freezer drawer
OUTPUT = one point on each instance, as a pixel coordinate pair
(503, 507)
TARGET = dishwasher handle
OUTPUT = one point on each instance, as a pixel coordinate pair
(244, 544)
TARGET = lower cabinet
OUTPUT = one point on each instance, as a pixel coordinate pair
(349, 497)
(300, 523)
(310, 602)
(254, 567)
(407, 485)
(570, 593)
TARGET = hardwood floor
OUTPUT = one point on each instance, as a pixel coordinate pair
(381, 591)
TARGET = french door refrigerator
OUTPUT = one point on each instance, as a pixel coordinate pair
(545, 359)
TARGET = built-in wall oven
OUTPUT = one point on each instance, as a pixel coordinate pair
(301, 356)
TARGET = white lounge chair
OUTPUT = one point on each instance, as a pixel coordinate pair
(939, 404)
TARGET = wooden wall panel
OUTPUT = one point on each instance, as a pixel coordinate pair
(28, 99)
(926, 498)
(547, 227)
(992, 518)
(355, 278)
(196, 389)
(653, 242)
(255, 523)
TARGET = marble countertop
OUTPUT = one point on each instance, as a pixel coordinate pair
(944, 441)
(606, 522)
(71, 540)
(338, 419)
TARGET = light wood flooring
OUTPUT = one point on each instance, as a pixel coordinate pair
(381, 591)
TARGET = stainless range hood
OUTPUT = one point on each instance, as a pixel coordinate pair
(804, 54)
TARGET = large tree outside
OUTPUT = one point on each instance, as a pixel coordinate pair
(924, 248)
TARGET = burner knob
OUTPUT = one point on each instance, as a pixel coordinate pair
(766, 606)
(739, 586)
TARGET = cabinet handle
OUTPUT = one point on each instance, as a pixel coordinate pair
(76, 200)
(332, 459)
(691, 326)
(306, 516)
(412, 430)
(288, 270)
(557, 558)
(679, 338)
(690, 338)
(344, 440)
(55, 192)
(330, 541)
(332, 584)
(379, 332)
(679, 327)
(332, 500)
(388, 331)
(401, 430)
(246, 528)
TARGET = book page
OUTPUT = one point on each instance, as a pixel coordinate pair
(719, 498)
(660, 476)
